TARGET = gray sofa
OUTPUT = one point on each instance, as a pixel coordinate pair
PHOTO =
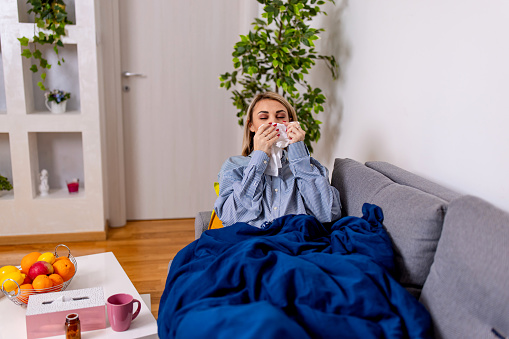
(452, 250)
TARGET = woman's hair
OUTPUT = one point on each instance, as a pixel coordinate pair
(247, 142)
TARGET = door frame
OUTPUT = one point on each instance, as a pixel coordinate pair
(108, 40)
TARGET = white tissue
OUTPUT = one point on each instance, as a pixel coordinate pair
(277, 151)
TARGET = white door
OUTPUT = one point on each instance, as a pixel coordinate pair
(179, 126)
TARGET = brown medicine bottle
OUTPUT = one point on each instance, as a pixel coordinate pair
(72, 326)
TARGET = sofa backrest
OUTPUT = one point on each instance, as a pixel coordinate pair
(467, 291)
(403, 177)
(413, 217)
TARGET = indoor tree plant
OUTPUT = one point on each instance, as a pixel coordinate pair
(275, 55)
(50, 19)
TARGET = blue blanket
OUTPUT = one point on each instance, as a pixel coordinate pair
(297, 278)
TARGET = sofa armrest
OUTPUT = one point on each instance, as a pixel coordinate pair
(201, 223)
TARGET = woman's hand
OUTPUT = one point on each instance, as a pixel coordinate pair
(295, 132)
(265, 137)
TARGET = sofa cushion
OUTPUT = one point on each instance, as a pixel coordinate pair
(406, 178)
(201, 223)
(413, 218)
(467, 290)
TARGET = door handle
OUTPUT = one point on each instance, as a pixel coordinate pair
(129, 74)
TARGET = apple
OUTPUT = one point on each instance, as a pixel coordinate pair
(38, 268)
(26, 279)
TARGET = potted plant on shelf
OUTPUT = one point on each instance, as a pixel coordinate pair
(276, 55)
(5, 185)
(56, 100)
(50, 21)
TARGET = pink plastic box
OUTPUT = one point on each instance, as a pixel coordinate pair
(45, 316)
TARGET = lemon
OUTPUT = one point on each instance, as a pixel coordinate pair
(48, 257)
(8, 269)
(9, 285)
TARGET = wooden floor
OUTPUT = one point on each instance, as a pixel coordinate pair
(143, 248)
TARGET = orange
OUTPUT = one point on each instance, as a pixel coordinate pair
(26, 292)
(41, 282)
(61, 258)
(64, 268)
(56, 279)
(28, 260)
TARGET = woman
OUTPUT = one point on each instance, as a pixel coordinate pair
(248, 194)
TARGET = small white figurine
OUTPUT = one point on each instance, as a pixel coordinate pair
(44, 187)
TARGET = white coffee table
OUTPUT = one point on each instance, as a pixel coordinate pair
(93, 270)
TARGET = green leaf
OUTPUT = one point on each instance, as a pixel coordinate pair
(60, 17)
(37, 54)
(43, 76)
(41, 86)
(26, 53)
(34, 68)
(43, 63)
(269, 9)
(60, 30)
(23, 41)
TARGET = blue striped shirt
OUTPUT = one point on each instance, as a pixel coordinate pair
(248, 195)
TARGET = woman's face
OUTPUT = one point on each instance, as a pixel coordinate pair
(268, 111)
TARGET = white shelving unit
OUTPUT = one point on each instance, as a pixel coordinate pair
(68, 145)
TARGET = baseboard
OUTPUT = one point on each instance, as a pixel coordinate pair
(52, 238)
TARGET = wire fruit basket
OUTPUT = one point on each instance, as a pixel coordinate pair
(20, 296)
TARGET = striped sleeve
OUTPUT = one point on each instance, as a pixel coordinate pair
(320, 198)
(241, 188)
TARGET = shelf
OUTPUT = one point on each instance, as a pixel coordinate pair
(61, 154)
(3, 106)
(7, 195)
(64, 77)
(62, 194)
(67, 145)
(56, 115)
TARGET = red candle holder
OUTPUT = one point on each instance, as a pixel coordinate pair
(73, 186)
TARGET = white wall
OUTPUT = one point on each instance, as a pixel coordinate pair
(424, 85)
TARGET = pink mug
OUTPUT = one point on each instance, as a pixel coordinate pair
(120, 311)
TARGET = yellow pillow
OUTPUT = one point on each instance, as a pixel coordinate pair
(214, 220)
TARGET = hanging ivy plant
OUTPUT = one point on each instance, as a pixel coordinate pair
(50, 20)
(276, 55)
